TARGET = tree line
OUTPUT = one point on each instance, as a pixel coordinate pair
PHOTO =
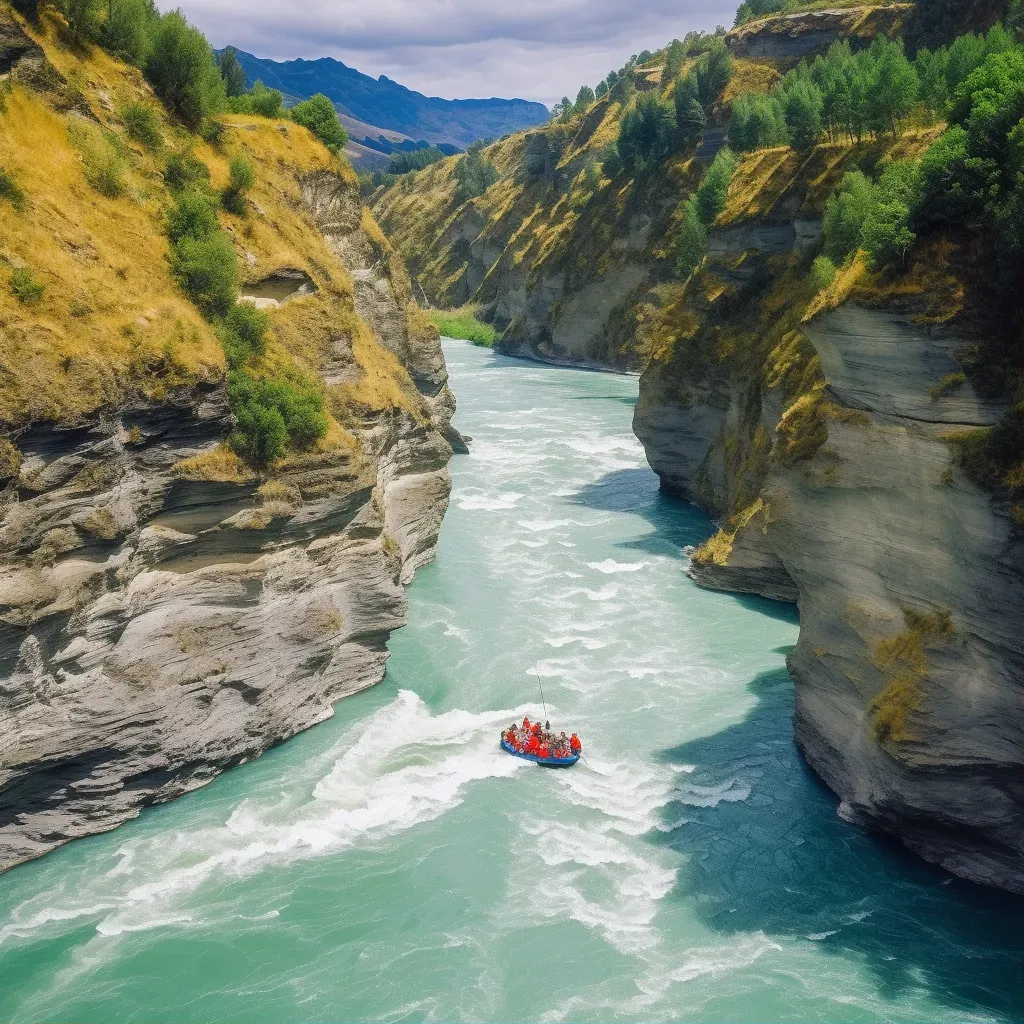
(847, 94)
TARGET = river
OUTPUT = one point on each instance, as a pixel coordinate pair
(393, 864)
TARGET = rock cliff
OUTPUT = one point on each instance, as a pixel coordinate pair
(166, 612)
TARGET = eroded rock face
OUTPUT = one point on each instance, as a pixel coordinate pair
(792, 37)
(878, 527)
(157, 629)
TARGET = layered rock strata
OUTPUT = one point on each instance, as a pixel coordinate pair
(909, 668)
(159, 626)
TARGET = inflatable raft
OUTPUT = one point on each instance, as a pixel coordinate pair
(545, 762)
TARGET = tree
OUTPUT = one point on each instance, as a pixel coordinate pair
(887, 237)
(803, 107)
(232, 72)
(83, 18)
(584, 99)
(182, 69)
(954, 185)
(565, 110)
(647, 131)
(690, 117)
(674, 58)
(712, 192)
(692, 243)
(319, 116)
(602, 90)
(474, 174)
(714, 70)
(893, 86)
(845, 215)
(127, 30)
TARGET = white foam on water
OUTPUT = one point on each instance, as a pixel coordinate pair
(369, 792)
(720, 961)
(542, 525)
(820, 936)
(610, 566)
(484, 503)
(686, 769)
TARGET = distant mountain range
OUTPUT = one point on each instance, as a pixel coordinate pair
(382, 104)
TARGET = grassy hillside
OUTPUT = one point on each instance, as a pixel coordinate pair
(92, 311)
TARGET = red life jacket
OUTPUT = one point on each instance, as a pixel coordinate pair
(544, 752)
(526, 723)
(575, 742)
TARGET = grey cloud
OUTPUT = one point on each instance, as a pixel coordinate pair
(538, 49)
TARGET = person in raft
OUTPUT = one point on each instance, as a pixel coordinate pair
(530, 738)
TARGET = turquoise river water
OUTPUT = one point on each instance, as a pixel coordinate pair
(393, 864)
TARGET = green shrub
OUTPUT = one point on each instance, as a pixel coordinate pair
(142, 124)
(274, 412)
(207, 270)
(692, 243)
(242, 176)
(319, 116)
(127, 30)
(11, 190)
(950, 383)
(212, 131)
(183, 72)
(260, 436)
(823, 273)
(192, 216)
(25, 288)
(244, 333)
(258, 100)
(184, 170)
(463, 324)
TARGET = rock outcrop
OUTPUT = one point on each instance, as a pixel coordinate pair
(166, 612)
(910, 581)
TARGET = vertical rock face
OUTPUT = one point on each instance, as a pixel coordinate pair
(910, 580)
(158, 626)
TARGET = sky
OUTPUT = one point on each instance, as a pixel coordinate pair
(535, 49)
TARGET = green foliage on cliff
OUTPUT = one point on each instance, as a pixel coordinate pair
(463, 325)
(319, 116)
(647, 133)
(474, 173)
(841, 93)
(272, 413)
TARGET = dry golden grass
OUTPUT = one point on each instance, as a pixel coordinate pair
(111, 320)
(903, 659)
(751, 76)
(219, 465)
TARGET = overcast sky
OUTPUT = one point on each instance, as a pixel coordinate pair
(537, 49)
